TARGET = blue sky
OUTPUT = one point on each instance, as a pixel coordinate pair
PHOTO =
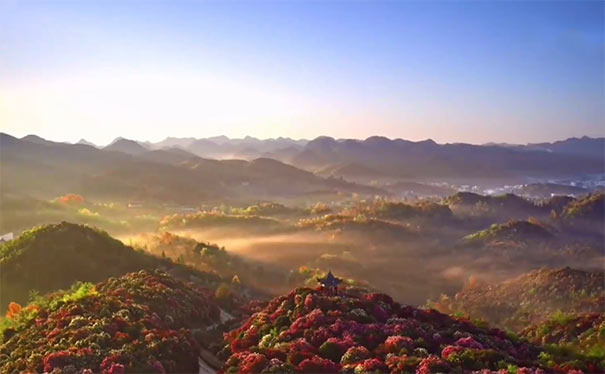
(452, 71)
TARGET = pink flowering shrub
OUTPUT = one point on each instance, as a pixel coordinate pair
(469, 342)
(321, 333)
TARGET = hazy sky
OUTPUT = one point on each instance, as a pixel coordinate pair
(475, 71)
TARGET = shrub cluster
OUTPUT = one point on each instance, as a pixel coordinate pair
(309, 331)
(141, 322)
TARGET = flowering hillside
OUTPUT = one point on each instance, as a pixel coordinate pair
(141, 322)
(310, 332)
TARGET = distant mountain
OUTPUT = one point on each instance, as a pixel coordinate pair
(85, 142)
(172, 156)
(126, 146)
(174, 142)
(36, 139)
(167, 175)
(402, 158)
(222, 147)
(585, 146)
(380, 157)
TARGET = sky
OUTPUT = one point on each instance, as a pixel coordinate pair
(452, 71)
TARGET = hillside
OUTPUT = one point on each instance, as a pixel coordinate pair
(310, 331)
(140, 322)
(55, 256)
(582, 333)
(517, 231)
(532, 297)
(153, 322)
(589, 208)
(506, 204)
(242, 224)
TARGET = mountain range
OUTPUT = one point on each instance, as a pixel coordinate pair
(191, 170)
(379, 157)
(129, 171)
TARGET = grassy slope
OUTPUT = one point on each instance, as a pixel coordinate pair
(55, 256)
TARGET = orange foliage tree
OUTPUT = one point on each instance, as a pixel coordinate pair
(13, 310)
(71, 198)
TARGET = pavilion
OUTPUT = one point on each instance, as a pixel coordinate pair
(330, 282)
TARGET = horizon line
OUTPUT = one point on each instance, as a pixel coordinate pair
(147, 142)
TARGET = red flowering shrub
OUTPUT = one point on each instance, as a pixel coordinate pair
(317, 364)
(432, 364)
(450, 350)
(469, 342)
(354, 333)
(355, 355)
(253, 363)
(394, 344)
(138, 323)
(371, 365)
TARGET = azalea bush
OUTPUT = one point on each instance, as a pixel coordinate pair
(308, 331)
(141, 322)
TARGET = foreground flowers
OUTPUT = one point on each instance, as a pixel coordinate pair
(311, 332)
(141, 322)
